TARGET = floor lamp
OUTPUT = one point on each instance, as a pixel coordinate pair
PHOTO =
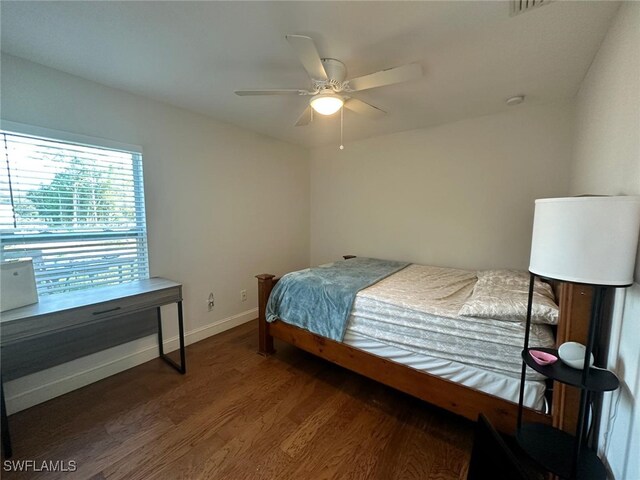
(591, 240)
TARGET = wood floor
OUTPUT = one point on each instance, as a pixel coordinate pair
(236, 415)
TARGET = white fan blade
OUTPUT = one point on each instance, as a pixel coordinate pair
(305, 118)
(386, 77)
(364, 108)
(281, 91)
(308, 55)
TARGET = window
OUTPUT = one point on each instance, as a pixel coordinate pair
(76, 210)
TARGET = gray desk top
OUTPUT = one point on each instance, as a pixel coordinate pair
(57, 303)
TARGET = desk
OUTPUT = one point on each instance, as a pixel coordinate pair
(58, 313)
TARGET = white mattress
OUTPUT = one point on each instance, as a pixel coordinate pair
(486, 381)
(411, 317)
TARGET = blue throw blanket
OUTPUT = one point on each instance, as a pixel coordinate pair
(319, 299)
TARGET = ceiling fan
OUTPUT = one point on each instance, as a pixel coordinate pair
(329, 88)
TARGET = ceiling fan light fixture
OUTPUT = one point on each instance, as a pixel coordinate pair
(327, 103)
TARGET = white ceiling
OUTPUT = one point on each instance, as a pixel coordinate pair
(195, 54)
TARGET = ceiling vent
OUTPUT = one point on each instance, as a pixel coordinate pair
(522, 6)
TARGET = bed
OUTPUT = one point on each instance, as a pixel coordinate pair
(405, 330)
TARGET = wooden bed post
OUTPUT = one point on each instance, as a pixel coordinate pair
(265, 341)
(574, 300)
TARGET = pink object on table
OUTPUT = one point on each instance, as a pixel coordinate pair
(542, 358)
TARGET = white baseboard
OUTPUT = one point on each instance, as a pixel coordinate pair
(225, 324)
(31, 390)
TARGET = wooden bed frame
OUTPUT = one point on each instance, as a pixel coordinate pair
(454, 397)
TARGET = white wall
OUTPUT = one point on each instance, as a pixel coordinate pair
(223, 204)
(607, 161)
(458, 195)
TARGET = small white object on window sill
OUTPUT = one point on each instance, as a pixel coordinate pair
(18, 285)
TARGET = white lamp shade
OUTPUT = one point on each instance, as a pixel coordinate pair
(590, 240)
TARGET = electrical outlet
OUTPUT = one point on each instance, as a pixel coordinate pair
(211, 302)
(243, 295)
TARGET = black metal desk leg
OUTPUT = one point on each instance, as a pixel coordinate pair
(160, 341)
(183, 363)
(182, 368)
(6, 436)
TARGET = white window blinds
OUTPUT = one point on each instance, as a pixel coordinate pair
(77, 211)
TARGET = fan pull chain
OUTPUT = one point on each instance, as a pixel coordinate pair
(341, 127)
